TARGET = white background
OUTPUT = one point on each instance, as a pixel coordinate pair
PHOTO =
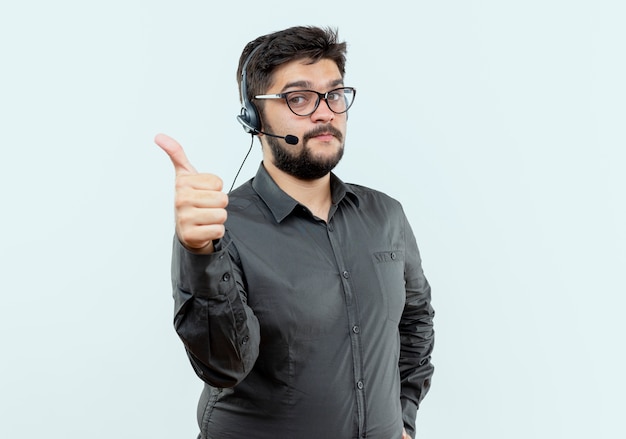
(498, 124)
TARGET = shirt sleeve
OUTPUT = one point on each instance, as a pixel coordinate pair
(416, 335)
(211, 316)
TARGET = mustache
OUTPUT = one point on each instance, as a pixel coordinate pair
(323, 129)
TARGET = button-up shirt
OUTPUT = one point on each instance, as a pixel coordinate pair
(304, 328)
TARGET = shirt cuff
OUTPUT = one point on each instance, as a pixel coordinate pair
(208, 275)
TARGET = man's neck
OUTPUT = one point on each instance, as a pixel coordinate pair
(314, 194)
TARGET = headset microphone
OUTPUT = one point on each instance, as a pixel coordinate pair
(289, 138)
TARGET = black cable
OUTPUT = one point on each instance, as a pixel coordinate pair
(244, 160)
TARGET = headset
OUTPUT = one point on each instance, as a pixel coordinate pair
(249, 116)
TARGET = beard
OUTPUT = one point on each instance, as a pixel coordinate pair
(303, 164)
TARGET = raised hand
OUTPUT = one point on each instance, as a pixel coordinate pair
(200, 204)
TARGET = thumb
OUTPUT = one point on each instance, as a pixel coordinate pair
(172, 148)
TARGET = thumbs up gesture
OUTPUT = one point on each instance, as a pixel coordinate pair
(200, 204)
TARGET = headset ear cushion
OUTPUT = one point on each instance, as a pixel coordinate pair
(252, 115)
(249, 120)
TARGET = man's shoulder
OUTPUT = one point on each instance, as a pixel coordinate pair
(367, 195)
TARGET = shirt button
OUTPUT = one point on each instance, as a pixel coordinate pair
(245, 340)
(331, 228)
(360, 385)
(393, 255)
(356, 329)
(345, 274)
(225, 277)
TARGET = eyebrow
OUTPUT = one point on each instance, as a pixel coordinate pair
(308, 85)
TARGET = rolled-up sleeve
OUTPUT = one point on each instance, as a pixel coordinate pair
(211, 316)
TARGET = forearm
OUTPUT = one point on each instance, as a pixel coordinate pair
(218, 329)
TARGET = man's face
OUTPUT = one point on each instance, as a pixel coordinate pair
(321, 134)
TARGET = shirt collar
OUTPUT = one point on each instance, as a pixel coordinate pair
(282, 204)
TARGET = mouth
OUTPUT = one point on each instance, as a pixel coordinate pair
(324, 137)
(324, 134)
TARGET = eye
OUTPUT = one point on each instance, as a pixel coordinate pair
(298, 99)
(335, 95)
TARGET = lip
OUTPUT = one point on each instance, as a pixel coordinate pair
(324, 137)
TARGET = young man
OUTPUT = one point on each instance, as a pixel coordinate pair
(300, 299)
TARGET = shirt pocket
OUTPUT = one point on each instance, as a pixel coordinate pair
(389, 269)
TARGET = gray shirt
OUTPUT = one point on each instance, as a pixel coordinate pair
(306, 329)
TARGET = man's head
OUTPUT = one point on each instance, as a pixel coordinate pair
(282, 65)
(293, 44)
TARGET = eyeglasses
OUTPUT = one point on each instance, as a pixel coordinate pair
(305, 102)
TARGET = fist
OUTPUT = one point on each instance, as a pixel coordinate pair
(199, 205)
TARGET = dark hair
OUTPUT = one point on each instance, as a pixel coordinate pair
(295, 43)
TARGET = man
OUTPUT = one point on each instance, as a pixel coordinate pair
(306, 312)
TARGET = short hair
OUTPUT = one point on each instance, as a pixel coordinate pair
(295, 43)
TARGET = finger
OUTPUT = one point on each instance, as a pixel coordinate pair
(199, 217)
(176, 153)
(207, 182)
(202, 199)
